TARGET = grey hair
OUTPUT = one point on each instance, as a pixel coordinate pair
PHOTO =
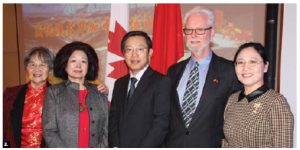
(199, 10)
(43, 53)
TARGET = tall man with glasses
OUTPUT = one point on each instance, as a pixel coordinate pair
(140, 108)
(201, 86)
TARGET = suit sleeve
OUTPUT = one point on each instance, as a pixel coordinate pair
(104, 126)
(282, 123)
(113, 134)
(156, 135)
(49, 119)
(172, 72)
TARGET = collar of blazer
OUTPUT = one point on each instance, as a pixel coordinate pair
(74, 85)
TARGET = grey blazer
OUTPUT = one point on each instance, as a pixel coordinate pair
(61, 115)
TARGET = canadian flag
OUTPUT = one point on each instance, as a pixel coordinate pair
(118, 27)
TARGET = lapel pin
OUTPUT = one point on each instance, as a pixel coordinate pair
(215, 81)
(256, 106)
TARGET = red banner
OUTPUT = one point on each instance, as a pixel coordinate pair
(167, 37)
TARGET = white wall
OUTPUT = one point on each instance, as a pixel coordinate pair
(288, 78)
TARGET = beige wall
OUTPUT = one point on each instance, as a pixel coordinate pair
(10, 47)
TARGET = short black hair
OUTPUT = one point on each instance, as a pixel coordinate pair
(43, 53)
(63, 55)
(136, 33)
(257, 46)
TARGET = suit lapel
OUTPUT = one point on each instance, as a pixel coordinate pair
(141, 87)
(178, 75)
(209, 88)
(72, 101)
(122, 96)
(91, 100)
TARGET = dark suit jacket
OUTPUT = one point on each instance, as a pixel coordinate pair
(206, 127)
(13, 104)
(144, 121)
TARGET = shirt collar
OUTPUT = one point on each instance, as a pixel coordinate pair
(202, 63)
(250, 97)
(139, 75)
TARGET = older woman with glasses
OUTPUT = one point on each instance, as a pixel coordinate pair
(22, 111)
(256, 116)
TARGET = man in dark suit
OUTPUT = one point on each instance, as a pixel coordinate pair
(201, 86)
(140, 108)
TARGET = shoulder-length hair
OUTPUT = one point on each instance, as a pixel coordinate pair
(63, 55)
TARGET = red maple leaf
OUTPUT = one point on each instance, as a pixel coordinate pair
(120, 69)
(114, 46)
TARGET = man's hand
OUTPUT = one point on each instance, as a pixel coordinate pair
(102, 88)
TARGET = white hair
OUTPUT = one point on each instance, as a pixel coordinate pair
(199, 10)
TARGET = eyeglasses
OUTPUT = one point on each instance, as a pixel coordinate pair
(251, 63)
(131, 49)
(198, 31)
(40, 66)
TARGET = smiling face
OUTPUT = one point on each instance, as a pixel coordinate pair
(136, 53)
(77, 66)
(198, 43)
(250, 69)
(37, 71)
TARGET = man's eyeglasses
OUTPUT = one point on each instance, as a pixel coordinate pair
(251, 63)
(198, 31)
(138, 49)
